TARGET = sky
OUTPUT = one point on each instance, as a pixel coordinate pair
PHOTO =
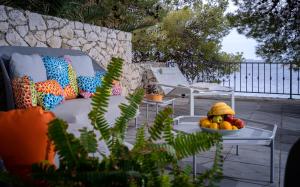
(235, 42)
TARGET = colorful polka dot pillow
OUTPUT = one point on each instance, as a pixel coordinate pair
(71, 91)
(24, 92)
(57, 69)
(49, 94)
(87, 84)
(116, 89)
(61, 70)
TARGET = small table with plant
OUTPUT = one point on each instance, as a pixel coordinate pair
(220, 119)
(154, 96)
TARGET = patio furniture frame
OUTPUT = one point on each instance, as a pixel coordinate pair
(237, 139)
(173, 82)
(163, 103)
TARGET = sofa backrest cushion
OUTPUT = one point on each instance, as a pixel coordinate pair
(82, 65)
(30, 65)
(5, 56)
(7, 51)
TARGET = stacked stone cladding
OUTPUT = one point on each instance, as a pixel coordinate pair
(25, 28)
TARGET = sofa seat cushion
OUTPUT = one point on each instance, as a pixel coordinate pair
(76, 110)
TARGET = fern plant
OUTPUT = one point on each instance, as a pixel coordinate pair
(156, 148)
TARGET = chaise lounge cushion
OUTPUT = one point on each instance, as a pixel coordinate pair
(76, 110)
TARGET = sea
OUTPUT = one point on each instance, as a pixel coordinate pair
(264, 80)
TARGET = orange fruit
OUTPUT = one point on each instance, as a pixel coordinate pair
(234, 127)
(205, 123)
(214, 126)
(202, 119)
(226, 125)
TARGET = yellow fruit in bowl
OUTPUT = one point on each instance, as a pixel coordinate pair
(214, 126)
(202, 119)
(225, 125)
(234, 128)
(205, 123)
(221, 108)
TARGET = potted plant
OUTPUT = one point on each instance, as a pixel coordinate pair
(153, 93)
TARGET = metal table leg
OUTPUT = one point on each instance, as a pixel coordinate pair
(237, 149)
(147, 115)
(194, 167)
(272, 146)
(232, 101)
(156, 108)
(173, 107)
(192, 102)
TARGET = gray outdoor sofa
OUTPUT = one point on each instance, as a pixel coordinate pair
(74, 112)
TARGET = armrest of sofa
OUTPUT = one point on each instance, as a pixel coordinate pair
(9, 98)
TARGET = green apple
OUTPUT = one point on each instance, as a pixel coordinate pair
(217, 119)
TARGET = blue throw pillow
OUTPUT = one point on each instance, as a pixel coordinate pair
(49, 101)
(98, 77)
(57, 69)
(86, 84)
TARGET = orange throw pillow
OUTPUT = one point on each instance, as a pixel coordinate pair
(24, 140)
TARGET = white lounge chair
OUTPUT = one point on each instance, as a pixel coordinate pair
(172, 82)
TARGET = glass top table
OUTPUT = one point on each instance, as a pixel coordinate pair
(246, 136)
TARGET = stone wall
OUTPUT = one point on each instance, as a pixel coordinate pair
(25, 28)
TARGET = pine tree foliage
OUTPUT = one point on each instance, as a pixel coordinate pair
(156, 148)
(275, 26)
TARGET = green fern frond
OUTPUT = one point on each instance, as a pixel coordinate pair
(168, 133)
(68, 147)
(45, 171)
(128, 112)
(213, 176)
(190, 144)
(109, 178)
(187, 170)
(101, 98)
(165, 151)
(140, 139)
(160, 121)
(88, 140)
(7, 179)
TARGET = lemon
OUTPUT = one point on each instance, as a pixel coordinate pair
(234, 127)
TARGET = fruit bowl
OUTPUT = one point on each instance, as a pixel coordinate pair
(220, 119)
(221, 131)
